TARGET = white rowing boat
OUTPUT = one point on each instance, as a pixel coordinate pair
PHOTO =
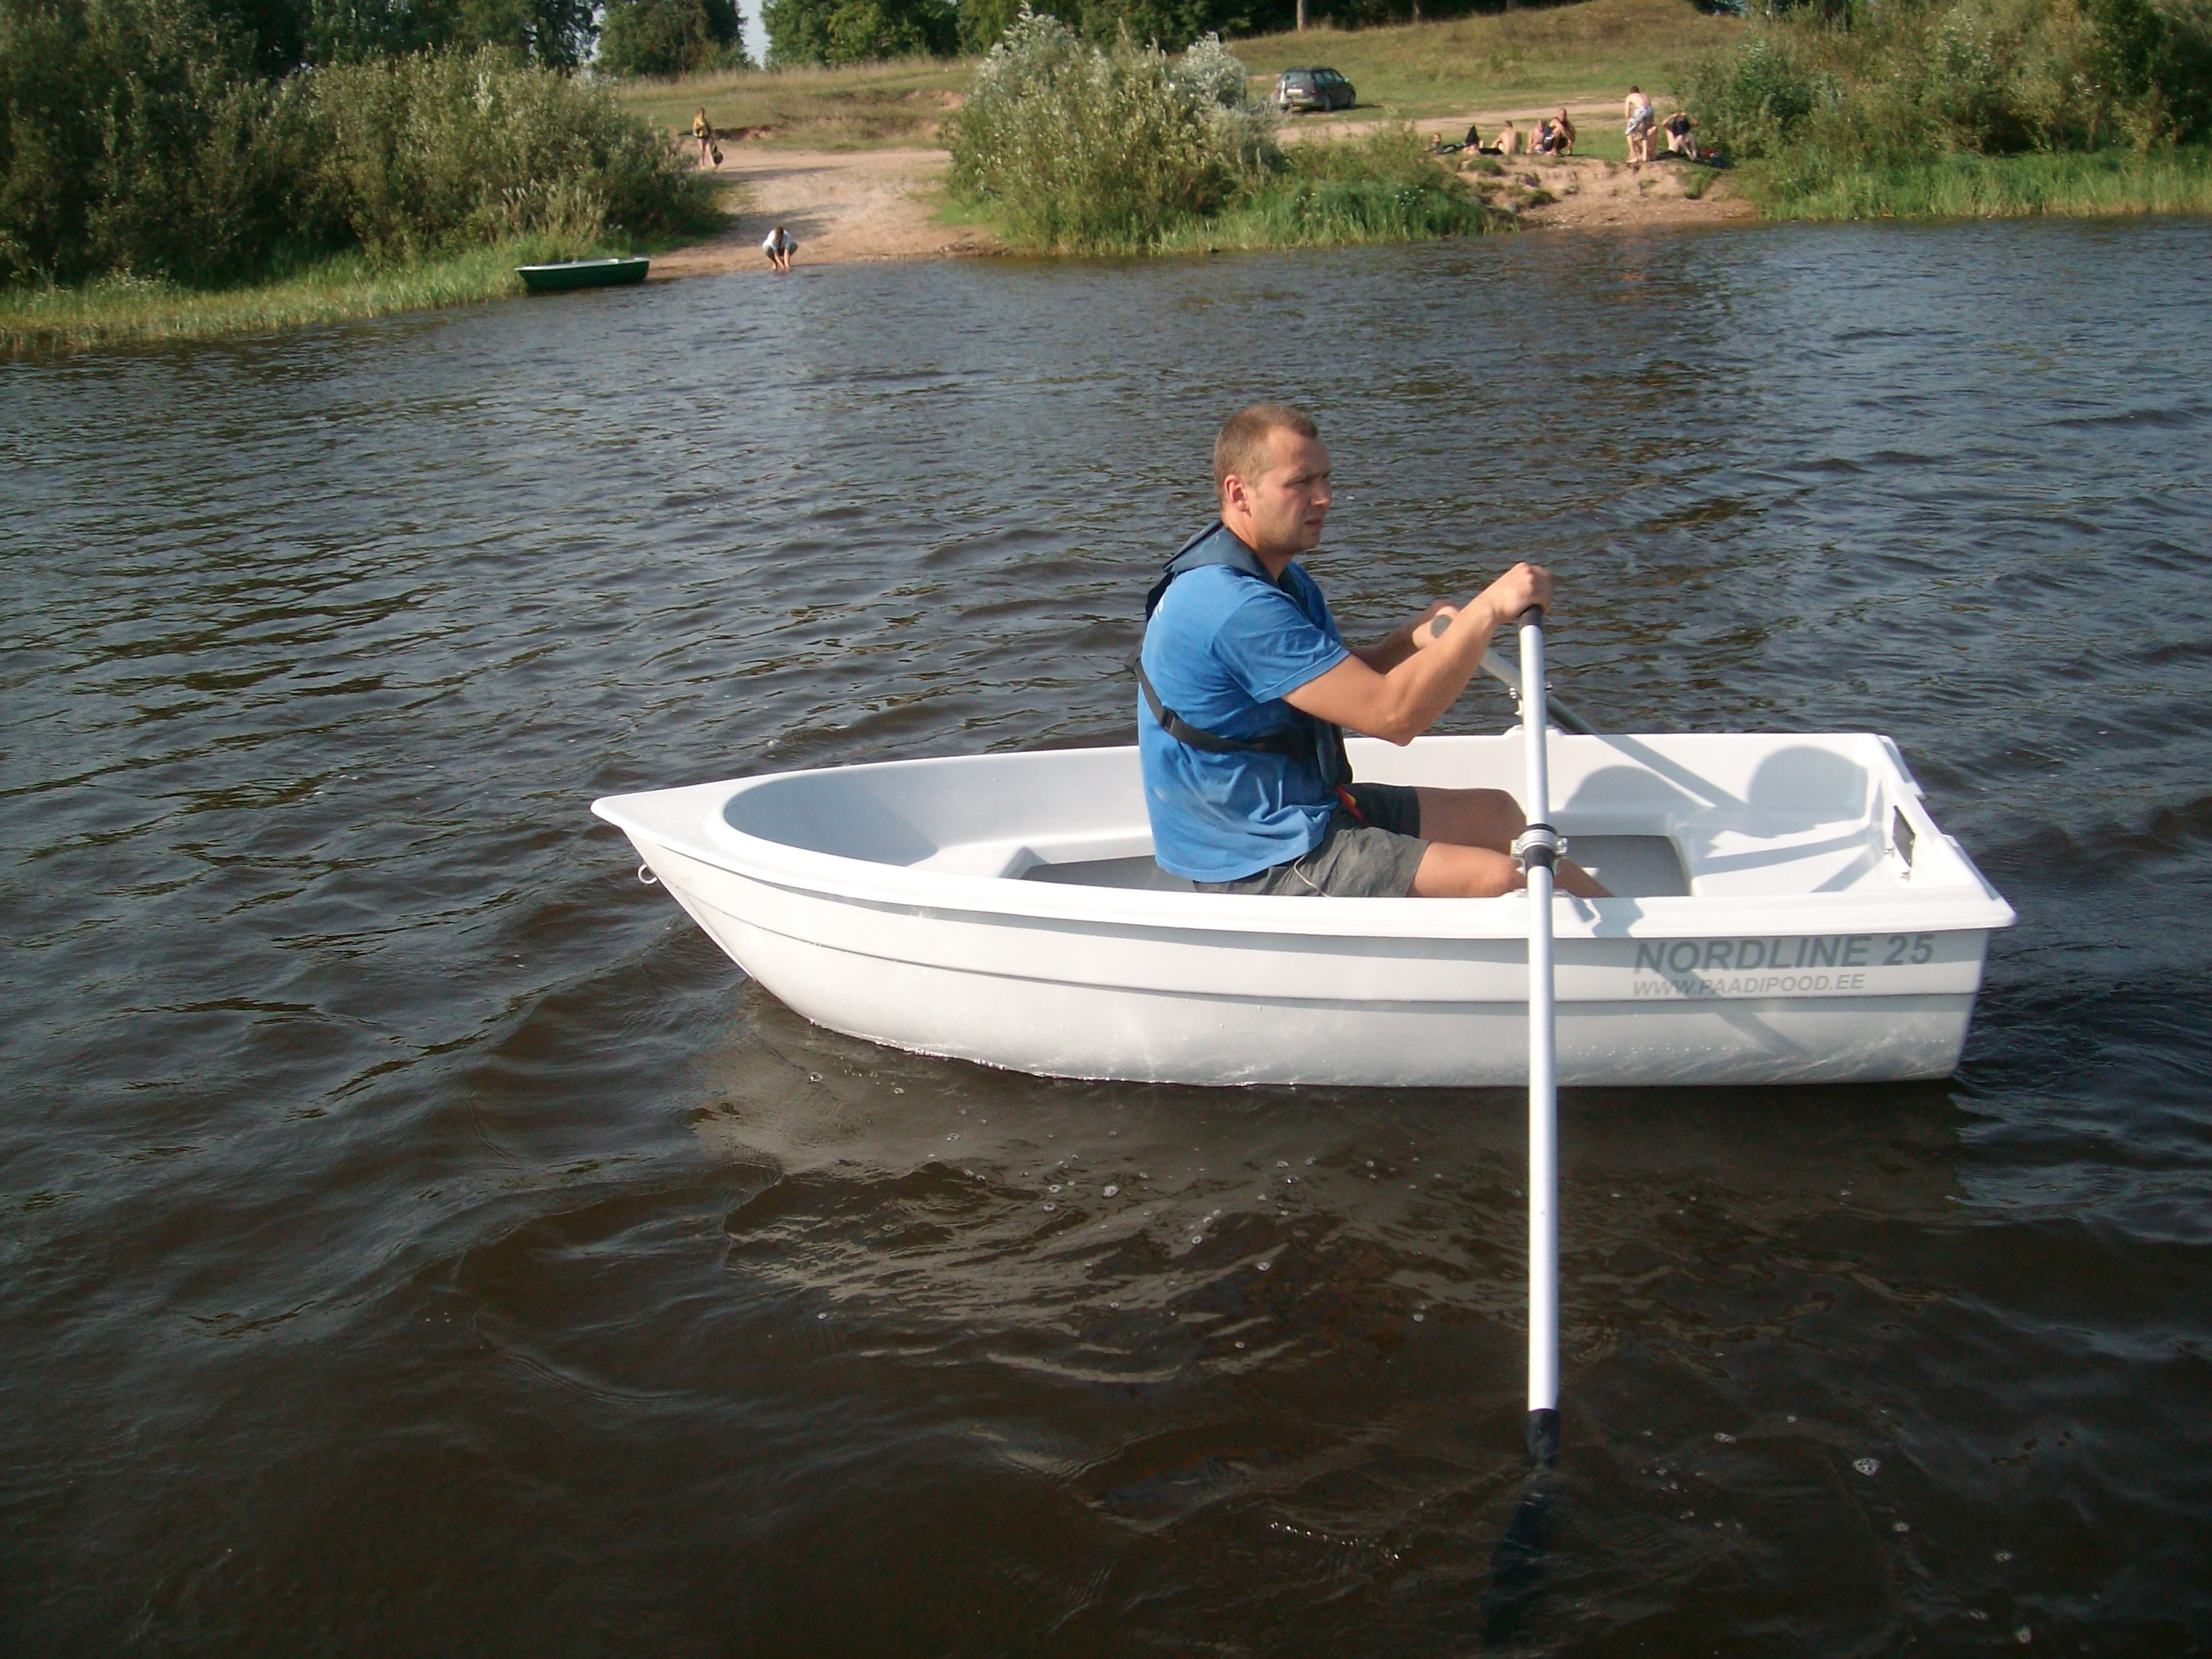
(1783, 910)
(1787, 913)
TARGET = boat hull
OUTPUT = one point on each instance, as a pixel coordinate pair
(1003, 993)
(1084, 981)
(574, 274)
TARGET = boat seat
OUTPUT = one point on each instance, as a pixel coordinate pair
(1139, 873)
(1632, 866)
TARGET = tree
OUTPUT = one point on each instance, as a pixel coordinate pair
(553, 33)
(856, 31)
(670, 37)
(1171, 25)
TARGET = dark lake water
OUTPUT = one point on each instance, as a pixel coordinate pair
(418, 1239)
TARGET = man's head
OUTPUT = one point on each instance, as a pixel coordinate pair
(1273, 474)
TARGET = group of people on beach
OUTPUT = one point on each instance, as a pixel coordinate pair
(1555, 135)
(777, 244)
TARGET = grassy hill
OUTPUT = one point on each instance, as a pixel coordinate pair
(1597, 48)
(856, 106)
(1517, 59)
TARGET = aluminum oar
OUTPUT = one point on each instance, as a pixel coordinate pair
(1538, 849)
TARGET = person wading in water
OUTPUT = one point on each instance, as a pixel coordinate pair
(1245, 685)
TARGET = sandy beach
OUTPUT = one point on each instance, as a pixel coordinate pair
(841, 206)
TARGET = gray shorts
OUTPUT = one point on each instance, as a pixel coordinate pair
(1374, 859)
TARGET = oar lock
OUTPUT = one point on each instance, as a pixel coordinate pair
(1539, 844)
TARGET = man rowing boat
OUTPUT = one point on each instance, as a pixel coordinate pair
(1247, 685)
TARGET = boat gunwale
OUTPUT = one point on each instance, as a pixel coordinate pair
(603, 260)
(1971, 906)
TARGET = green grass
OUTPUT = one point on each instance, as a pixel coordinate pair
(1335, 213)
(2086, 186)
(129, 311)
(856, 106)
(1511, 60)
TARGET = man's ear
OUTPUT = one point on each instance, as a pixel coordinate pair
(1233, 494)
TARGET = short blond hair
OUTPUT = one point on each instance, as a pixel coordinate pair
(1242, 443)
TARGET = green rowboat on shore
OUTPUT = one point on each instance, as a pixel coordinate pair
(581, 273)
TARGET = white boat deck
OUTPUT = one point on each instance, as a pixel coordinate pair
(1677, 829)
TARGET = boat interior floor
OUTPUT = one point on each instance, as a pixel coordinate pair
(1629, 866)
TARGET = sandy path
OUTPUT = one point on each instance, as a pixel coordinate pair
(1523, 116)
(841, 205)
(848, 205)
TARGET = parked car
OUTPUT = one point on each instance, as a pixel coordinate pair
(1302, 89)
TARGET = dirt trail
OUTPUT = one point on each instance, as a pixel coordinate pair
(849, 205)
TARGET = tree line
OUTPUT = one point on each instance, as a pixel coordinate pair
(855, 31)
(211, 142)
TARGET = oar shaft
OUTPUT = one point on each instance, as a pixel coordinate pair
(1539, 848)
(1555, 711)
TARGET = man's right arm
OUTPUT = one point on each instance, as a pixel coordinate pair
(1401, 704)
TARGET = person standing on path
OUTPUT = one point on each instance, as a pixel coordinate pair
(1641, 117)
(703, 131)
(779, 247)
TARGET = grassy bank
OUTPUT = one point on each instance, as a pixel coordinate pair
(1966, 108)
(1596, 49)
(855, 106)
(130, 311)
(1354, 195)
(2101, 183)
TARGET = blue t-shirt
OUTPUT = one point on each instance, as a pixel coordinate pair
(1221, 650)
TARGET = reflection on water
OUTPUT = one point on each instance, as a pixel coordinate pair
(418, 1226)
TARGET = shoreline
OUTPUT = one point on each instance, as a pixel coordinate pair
(848, 207)
(888, 205)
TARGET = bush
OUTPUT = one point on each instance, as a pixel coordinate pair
(858, 31)
(421, 155)
(138, 139)
(1810, 96)
(670, 38)
(1077, 148)
(1755, 100)
(1082, 149)
(1386, 187)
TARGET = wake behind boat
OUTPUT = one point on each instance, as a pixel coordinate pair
(1786, 912)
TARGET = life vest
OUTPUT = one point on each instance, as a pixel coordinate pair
(1308, 738)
